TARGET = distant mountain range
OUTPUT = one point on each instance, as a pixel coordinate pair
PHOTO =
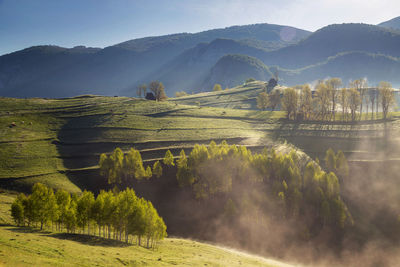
(194, 62)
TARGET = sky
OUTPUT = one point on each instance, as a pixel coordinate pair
(101, 23)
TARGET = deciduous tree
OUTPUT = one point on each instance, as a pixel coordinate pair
(141, 90)
(158, 90)
(361, 86)
(306, 101)
(354, 102)
(274, 99)
(217, 87)
(157, 169)
(262, 101)
(84, 209)
(168, 159)
(386, 97)
(344, 101)
(322, 100)
(333, 85)
(290, 102)
(44, 204)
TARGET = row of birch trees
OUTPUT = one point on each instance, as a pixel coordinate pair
(329, 99)
(119, 215)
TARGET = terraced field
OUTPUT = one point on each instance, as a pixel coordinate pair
(53, 140)
(240, 97)
(58, 141)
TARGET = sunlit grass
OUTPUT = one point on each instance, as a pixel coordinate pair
(52, 136)
(21, 246)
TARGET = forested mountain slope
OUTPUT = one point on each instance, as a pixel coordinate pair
(49, 71)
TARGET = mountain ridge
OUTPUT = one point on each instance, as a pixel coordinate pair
(107, 71)
(184, 61)
(392, 23)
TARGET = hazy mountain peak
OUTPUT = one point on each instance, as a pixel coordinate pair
(392, 24)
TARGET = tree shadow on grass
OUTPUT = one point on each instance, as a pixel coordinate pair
(28, 230)
(90, 240)
(81, 238)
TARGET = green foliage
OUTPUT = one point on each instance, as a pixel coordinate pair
(168, 159)
(289, 102)
(118, 166)
(184, 175)
(17, 209)
(157, 169)
(181, 93)
(386, 95)
(84, 209)
(297, 190)
(123, 212)
(64, 205)
(330, 160)
(217, 87)
(336, 163)
(148, 172)
(43, 204)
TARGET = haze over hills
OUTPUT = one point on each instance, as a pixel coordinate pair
(109, 70)
(189, 70)
(393, 23)
(192, 62)
(348, 65)
(231, 70)
(313, 58)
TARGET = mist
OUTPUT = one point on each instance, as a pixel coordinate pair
(370, 192)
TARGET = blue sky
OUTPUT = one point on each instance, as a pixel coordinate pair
(101, 23)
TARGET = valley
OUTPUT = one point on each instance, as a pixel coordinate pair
(200, 133)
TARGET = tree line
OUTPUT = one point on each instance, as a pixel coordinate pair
(120, 167)
(298, 189)
(300, 103)
(115, 214)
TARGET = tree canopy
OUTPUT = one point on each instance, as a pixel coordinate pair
(217, 87)
(122, 214)
(297, 190)
(158, 90)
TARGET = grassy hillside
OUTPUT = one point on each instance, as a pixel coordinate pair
(58, 142)
(24, 247)
(56, 139)
(240, 97)
(30, 247)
